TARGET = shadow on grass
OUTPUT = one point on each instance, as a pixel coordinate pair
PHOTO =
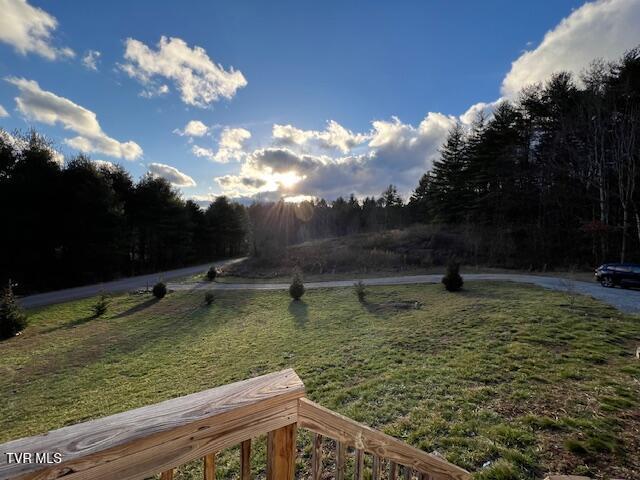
(138, 308)
(71, 324)
(299, 310)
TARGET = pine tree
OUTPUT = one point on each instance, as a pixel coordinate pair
(12, 319)
(419, 201)
(450, 185)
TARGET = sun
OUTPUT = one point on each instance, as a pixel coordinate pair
(288, 179)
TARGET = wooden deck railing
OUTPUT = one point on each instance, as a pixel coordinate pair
(158, 438)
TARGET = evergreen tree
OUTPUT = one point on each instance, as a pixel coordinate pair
(450, 188)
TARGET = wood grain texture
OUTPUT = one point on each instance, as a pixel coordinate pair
(281, 453)
(393, 470)
(210, 467)
(156, 438)
(408, 473)
(168, 475)
(358, 470)
(316, 457)
(341, 452)
(353, 434)
(376, 469)
(245, 460)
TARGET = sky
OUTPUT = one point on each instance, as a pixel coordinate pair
(283, 99)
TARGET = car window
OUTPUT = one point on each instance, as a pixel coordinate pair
(619, 268)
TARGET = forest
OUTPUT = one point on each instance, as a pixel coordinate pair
(86, 222)
(549, 179)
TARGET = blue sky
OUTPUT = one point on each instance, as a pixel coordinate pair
(377, 69)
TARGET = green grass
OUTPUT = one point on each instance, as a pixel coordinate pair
(506, 380)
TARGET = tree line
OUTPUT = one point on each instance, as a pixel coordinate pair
(550, 179)
(86, 222)
(553, 176)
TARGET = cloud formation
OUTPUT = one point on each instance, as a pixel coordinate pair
(90, 60)
(230, 146)
(199, 80)
(104, 164)
(396, 152)
(49, 108)
(29, 30)
(194, 128)
(172, 174)
(3, 112)
(334, 136)
(601, 29)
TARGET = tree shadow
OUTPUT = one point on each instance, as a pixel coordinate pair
(299, 310)
(71, 324)
(137, 308)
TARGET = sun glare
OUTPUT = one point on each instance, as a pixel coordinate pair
(287, 179)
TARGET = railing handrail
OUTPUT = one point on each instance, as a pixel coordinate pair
(154, 438)
(157, 438)
(328, 423)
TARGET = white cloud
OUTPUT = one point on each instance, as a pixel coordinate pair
(90, 59)
(334, 136)
(233, 138)
(601, 29)
(194, 128)
(199, 151)
(397, 152)
(484, 108)
(318, 163)
(230, 146)
(29, 30)
(172, 174)
(199, 80)
(3, 112)
(51, 109)
(154, 91)
(104, 164)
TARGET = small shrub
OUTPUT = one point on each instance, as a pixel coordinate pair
(211, 274)
(159, 290)
(452, 280)
(101, 306)
(12, 319)
(296, 290)
(208, 298)
(361, 290)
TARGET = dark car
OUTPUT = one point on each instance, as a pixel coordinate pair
(620, 274)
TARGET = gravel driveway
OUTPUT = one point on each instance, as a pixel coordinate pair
(625, 300)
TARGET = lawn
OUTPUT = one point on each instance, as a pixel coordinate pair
(506, 380)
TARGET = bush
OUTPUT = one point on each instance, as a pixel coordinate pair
(159, 290)
(211, 274)
(100, 307)
(12, 319)
(296, 290)
(361, 290)
(208, 298)
(452, 280)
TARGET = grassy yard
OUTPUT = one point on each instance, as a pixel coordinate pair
(508, 381)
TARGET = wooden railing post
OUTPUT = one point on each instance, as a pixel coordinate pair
(245, 460)
(281, 453)
(210, 467)
(168, 475)
(316, 457)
